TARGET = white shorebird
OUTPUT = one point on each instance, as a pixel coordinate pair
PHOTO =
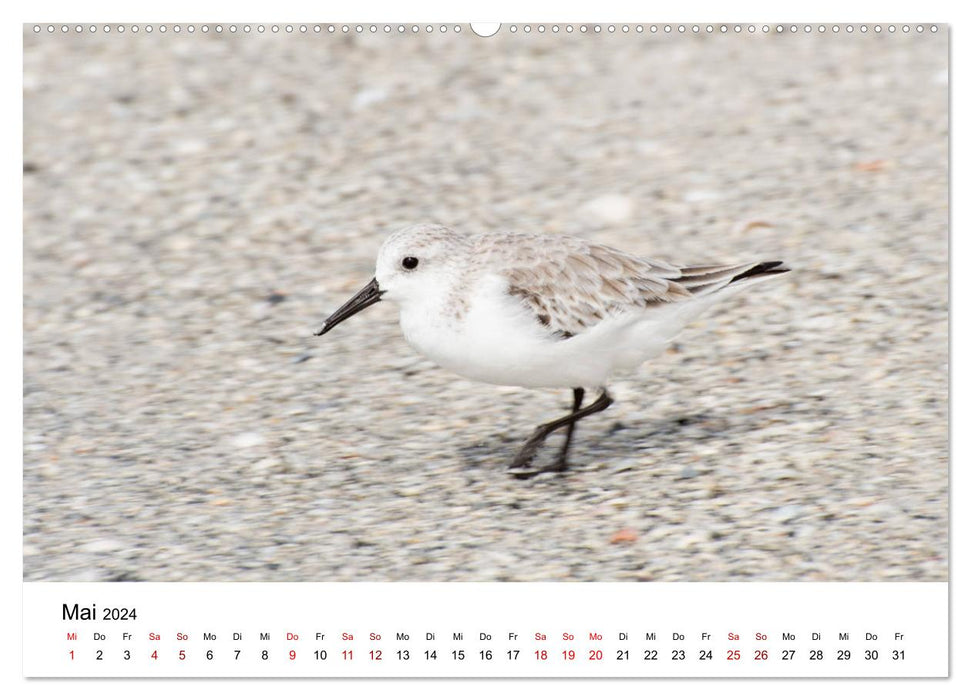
(539, 310)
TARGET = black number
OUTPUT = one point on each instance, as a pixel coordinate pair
(320, 655)
(209, 655)
(677, 655)
(650, 654)
(898, 654)
(622, 655)
(788, 654)
(127, 655)
(513, 654)
(704, 655)
(871, 655)
(404, 654)
(486, 654)
(815, 654)
(431, 655)
(458, 655)
(843, 655)
(99, 655)
(265, 655)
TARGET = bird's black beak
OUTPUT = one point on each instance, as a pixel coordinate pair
(371, 294)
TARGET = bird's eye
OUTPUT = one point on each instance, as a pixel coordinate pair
(409, 263)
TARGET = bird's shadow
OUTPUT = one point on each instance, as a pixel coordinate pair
(613, 445)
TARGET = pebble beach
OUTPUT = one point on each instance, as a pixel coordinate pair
(196, 205)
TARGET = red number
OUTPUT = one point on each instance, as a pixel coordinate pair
(569, 654)
(596, 655)
(540, 654)
(734, 655)
(293, 654)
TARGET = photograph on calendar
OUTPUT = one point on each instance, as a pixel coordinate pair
(559, 302)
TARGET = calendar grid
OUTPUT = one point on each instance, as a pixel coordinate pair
(487, 629)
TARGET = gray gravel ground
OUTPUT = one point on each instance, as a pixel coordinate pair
(195, 205)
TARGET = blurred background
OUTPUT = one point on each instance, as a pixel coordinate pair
(195, 205)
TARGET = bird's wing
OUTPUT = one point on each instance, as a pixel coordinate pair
(572, 285)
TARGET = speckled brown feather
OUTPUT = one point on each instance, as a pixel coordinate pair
(572, 285)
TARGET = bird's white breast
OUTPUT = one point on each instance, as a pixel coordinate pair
(490, 336)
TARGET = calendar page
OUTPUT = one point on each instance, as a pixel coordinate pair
(470, 350)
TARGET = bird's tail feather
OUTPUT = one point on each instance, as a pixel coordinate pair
(702, 280)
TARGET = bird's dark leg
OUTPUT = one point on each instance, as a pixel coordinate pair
(528, 450)
(577, 402)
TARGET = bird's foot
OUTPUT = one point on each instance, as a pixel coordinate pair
(524, 458)
(529, 473)
(521, 466)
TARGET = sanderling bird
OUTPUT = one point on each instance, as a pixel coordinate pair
(539, 310)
